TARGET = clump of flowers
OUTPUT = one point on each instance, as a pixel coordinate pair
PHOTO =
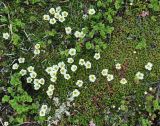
(50, 90)
(37, 49)
(56, 14)
(15, 66)
(79, 34)
(43, 110)
(32, 74)
(61, 68)
(105, 73)
(36, 84)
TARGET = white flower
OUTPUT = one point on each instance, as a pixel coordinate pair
(97, 56)
(49, 70)
(88, 65)
(53, 73)
(46, 17)
(85, 16)
(58, 9)
(110, 77)
(92, 78)
(42, 113)
(33, 74)
(61, 19)
(145, 92)
(149, 66)
(64, 14)
(139, 75)
(41, 81)
(67, 76)
(44, 107)
(123, 81)
(131, 4)
(72, 51)
(55, 67)
(21, 60)
(118, 66)
(134, 52)
(61, 64)
(36, 81)
(36, 51)
(81, 62)
(23, 72)
(104, 72)
(150, 88)
(37, 86)
(53, 79)
(52, 11)
(57, 15)
(37, 46)
(113, 106)
(77, 34)
(91, 11)
(52, 21)
(75, 93)
(79, 83)
(73, 68)
(6, 36)
(70, 60)
(30, 69)
(63, 71)
(15, 66)
(29, 79)
(51, 87)
(6, 124)
(49, 92)
(68, 30)
(81, 35)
